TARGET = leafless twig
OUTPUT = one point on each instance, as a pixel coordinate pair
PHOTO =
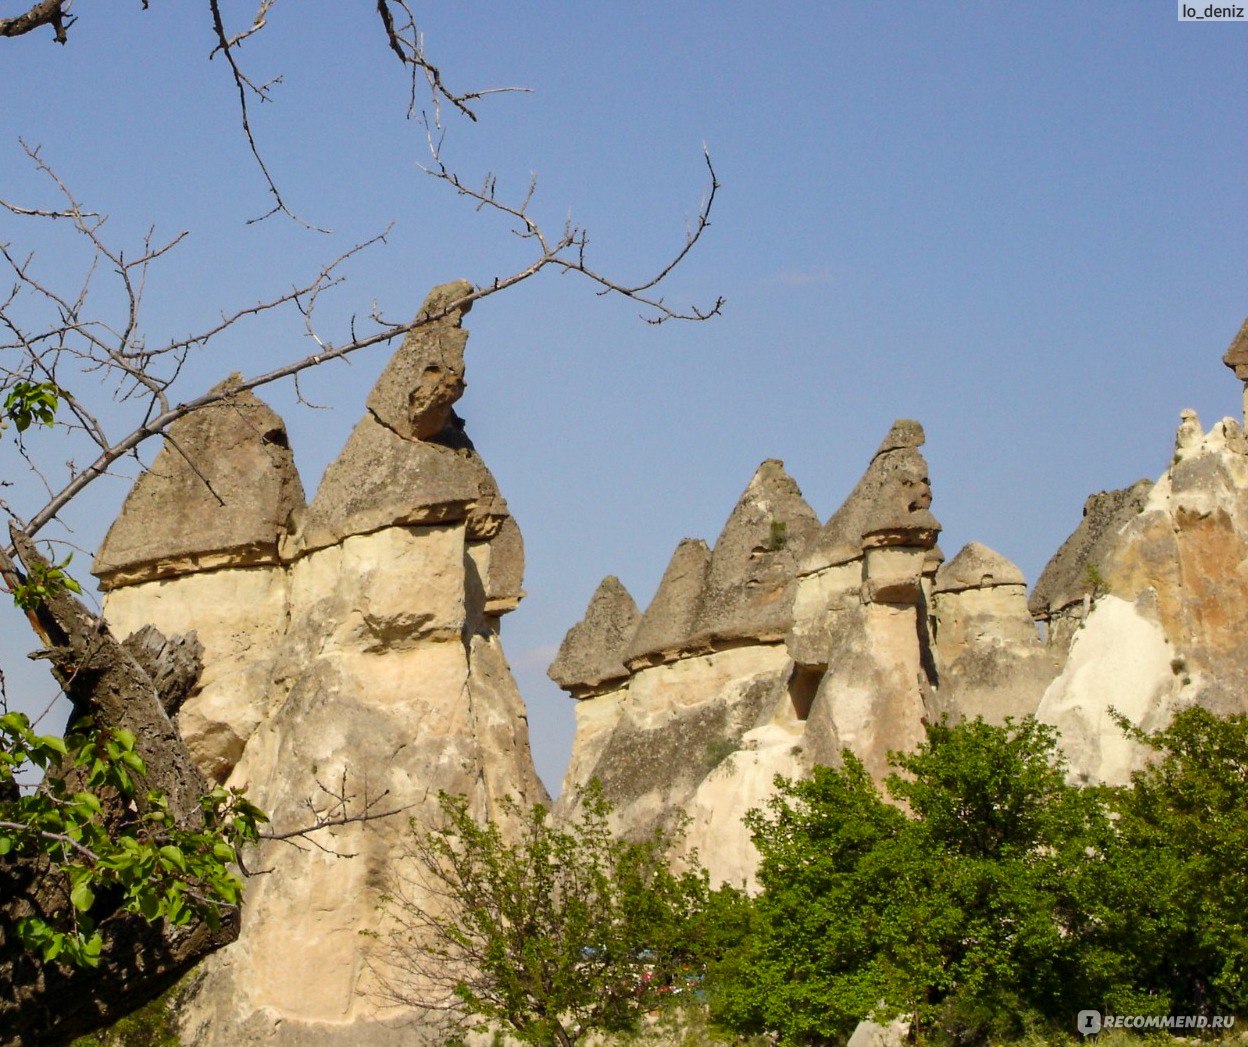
(75, 349)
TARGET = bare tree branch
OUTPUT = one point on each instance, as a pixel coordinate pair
(76, 347)
(226, 45)
(408, 45)
(47, 12)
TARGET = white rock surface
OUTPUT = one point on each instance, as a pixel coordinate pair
(1119, 660)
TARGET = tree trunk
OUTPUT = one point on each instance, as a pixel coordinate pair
(50, 1003)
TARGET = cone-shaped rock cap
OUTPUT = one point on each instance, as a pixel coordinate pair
(668, 623)
(977, 567)
(219, 493)
(890, 503)
(381, 480)
(1236, 357)
(1069, 575)
(592, 654)
(424, 378)
(409, 461)
(753, 569)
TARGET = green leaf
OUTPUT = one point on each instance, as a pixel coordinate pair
(50, 741)
(174, 857)
(82, 896)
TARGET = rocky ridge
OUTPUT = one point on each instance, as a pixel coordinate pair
(854, 634)
(350, 645)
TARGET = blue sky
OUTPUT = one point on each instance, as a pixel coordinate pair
(1022, 224)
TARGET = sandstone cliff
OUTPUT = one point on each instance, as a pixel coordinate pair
(853, 634)
(352, 642)
(787, 642)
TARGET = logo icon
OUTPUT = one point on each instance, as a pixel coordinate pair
(1088, 1022)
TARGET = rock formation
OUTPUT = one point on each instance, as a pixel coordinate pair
(353, 643)
(705, 664)
(852, 635)
(992, 661)
(1166, 627)
(349, 644)
(786, 643)
(591, 657)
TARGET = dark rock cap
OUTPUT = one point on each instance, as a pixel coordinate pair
(1236, 357)
(409, 460)
(1066, 578)
(382, 480)
(504, 580)
(752, 574)
(905, 432)
(890, 504)
(977, 567)
(668, 623)
(218, 493)
(592, 654)
(425, 377)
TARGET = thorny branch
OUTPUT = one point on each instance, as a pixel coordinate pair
(401, 34)
(226, 45)
(343, 808)
(77, 349)
(408, 45)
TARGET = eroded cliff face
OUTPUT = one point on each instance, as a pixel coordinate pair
(854, 634)
(349, 643)
(786, 643)
(1164, 627)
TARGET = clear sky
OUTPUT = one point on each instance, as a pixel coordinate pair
(1023, 224)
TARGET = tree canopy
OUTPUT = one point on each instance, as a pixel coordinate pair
(984, 896)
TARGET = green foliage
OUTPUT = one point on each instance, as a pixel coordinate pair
(1172, 929)
(565, 930)
(28, 403)
(777, 536)
(42, 582)
(680, 1022)
(111, 842)
(1095, 580)
(1003, 899)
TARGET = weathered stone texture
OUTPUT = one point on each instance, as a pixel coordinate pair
(1145, 609)
(1236, 357)
(219, 493)
(666, 629)
(1166, 630)
(977, 567)
(499, 563)
(366, 657)
(670, 727)
(989, 657)
(871, 699)
(425, 377)
(892, 503)
(382, 480)
(751, 578)
(1070, 577)
(591, 656)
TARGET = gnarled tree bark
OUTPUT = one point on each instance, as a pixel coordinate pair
(49, 1002)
